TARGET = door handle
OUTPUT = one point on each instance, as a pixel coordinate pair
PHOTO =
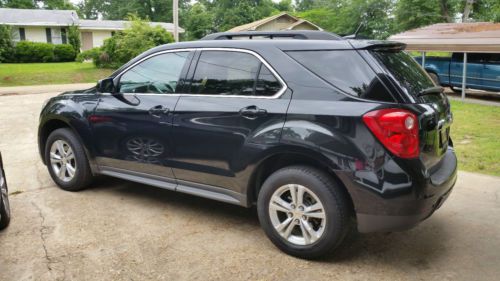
(157, 111)
(252, 112)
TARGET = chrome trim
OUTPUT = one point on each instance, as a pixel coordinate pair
(273, 71)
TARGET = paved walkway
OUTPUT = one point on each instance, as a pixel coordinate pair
(39, 89)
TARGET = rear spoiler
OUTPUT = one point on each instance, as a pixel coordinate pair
(378, 45)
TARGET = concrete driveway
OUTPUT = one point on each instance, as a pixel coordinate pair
(125, 231)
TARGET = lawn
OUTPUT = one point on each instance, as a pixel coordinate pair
(23, 74)
(476, 136)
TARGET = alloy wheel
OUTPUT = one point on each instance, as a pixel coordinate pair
(297, 214)
(62, 160)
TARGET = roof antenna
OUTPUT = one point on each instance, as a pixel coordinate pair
(355, 35)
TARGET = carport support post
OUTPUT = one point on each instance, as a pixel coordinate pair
(423, 60)
(464, 76)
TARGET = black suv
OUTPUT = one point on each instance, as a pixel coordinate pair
(319, 132)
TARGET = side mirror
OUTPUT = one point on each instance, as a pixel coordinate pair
(106, 86)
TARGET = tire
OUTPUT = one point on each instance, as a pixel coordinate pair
(82, 175)
(336, 208)
(434, 78)
(4, 204)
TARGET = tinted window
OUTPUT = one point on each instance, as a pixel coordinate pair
(157, 75)
(232, 73)
(267, 84)
(405, 70)
(345, 70)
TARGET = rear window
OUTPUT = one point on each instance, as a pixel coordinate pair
(405, 70)
(346, 70)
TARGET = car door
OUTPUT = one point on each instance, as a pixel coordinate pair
(234, 110)
(474, 70)
(491, 72)
(132, 128)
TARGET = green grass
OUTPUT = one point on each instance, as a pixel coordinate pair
(23, 74)
(476, 136)
(431, 54)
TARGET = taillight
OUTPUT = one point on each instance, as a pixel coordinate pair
(396, 129)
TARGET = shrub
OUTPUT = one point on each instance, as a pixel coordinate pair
(6, 46)
(64, 52)
(92, 54)
(26, 51)
(129, 43)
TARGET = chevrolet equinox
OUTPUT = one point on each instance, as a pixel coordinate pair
(322, 134)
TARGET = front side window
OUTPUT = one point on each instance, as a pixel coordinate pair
(157, 75)
(233, 73)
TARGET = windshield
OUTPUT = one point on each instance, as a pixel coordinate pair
(405, 70)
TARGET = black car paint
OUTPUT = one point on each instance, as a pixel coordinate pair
(211, 148)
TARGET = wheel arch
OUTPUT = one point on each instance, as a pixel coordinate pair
(279, 160)
(54, 123)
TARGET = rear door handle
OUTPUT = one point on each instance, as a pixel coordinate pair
(157, 111)
(252, 112)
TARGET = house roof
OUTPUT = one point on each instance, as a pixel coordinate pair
(33, 17)
(453, 37)
(254, 25)
(119, 25)
(39, 17)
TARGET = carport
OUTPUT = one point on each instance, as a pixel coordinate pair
(478, 37)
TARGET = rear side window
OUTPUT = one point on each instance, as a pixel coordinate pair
(405, 70)
(345, 70)
(233, 73)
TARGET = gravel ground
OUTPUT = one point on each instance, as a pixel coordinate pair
(126, 231)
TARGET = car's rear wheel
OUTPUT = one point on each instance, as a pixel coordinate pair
(66, 160)
(303, 211)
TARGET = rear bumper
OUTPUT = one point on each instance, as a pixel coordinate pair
(382, 223)
(395, 207)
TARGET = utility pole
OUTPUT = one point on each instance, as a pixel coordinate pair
(176, 20)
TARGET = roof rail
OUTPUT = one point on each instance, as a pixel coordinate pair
(288, 34)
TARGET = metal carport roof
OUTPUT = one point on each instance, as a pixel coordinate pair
(477, 37)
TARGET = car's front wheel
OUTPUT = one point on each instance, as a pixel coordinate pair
(303, 211)
(66, 160)
(4, 202)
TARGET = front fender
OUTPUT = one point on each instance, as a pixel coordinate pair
(69, 111)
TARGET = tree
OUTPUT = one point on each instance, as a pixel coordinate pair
(284, 6)
(411, 14)
(486, 10)
(131, 42)
(74, 38)
(199, 21)
(6, 45)
(229, 14)
(344, 16)
(19, 4)
(305, 5)
(56, 4)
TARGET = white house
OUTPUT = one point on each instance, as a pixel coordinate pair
(51, 26)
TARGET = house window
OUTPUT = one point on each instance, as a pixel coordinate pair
(18, 34)
(48, 33)
(22, 34)
(64, 37)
